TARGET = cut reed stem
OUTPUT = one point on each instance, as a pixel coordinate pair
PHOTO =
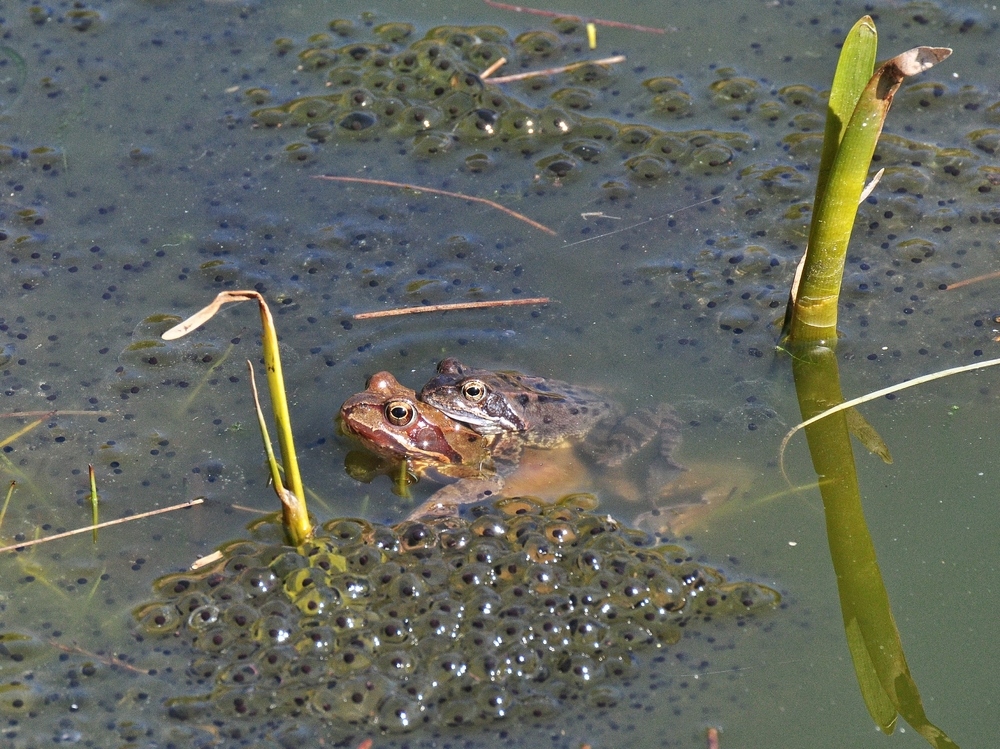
(106, 524)
(557, 71)
(445, 193)
(450, 307)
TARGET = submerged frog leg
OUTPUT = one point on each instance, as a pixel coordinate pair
(448, 499)
(611, 443)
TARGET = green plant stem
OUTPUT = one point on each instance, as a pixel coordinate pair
(93, 500)
(6, 501)
(815, 294)
(293, 500)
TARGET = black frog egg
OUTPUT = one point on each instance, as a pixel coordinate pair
(158, 618)
(580, 668)
(673, 103)
(712, 157)
(356, 122)
(429, 145)
(478, 124)
(400, 713)
(912, 251)
(646, 168)
(345, 76)
(738, 318)
(394, 32)
(478, 163)
(672, 147)
(318, 59)
(300, 153)
(310, 109)
(536, 44)
(486, 550)
(734, 90)
(270, 116)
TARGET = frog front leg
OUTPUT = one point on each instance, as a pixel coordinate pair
(447, 500)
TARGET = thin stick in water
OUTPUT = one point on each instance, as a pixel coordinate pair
(556, 71)
(106, 660)
(206, 560)
(598, 21)
(493, 68)
(47, 414)
(445, 193)
(77, 531)
(970, 281)
(449, 307)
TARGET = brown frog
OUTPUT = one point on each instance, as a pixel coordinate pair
(530, 412)
(541, 412)
(390, 421)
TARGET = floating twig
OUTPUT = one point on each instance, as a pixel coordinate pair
(77, 531)
(42, 416)
(598, 21)
(254, 510)
(493, 68)
(970, 281)
(46, 414)
(556, 71)
(206, 560)
(20, 432)
(105, 659)
(449, 307)
(434, 191)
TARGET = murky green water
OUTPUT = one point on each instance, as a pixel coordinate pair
(137, 181)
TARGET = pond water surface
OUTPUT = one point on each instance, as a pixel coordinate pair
(155, 153)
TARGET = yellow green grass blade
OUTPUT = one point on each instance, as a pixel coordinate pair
(93, 500)
(291, 510)
(6, 501)
(293, 501)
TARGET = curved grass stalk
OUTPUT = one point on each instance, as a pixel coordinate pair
(293, 500)
(898, 387)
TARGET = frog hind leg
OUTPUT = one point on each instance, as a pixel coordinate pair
(612, 442)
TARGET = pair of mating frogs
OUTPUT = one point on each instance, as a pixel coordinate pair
(472, 427)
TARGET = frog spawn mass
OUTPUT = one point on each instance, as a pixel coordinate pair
(514, 610)
(424, 96)
(427, 97)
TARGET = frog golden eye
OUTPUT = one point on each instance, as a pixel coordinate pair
(399, 413)
(474, 390)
